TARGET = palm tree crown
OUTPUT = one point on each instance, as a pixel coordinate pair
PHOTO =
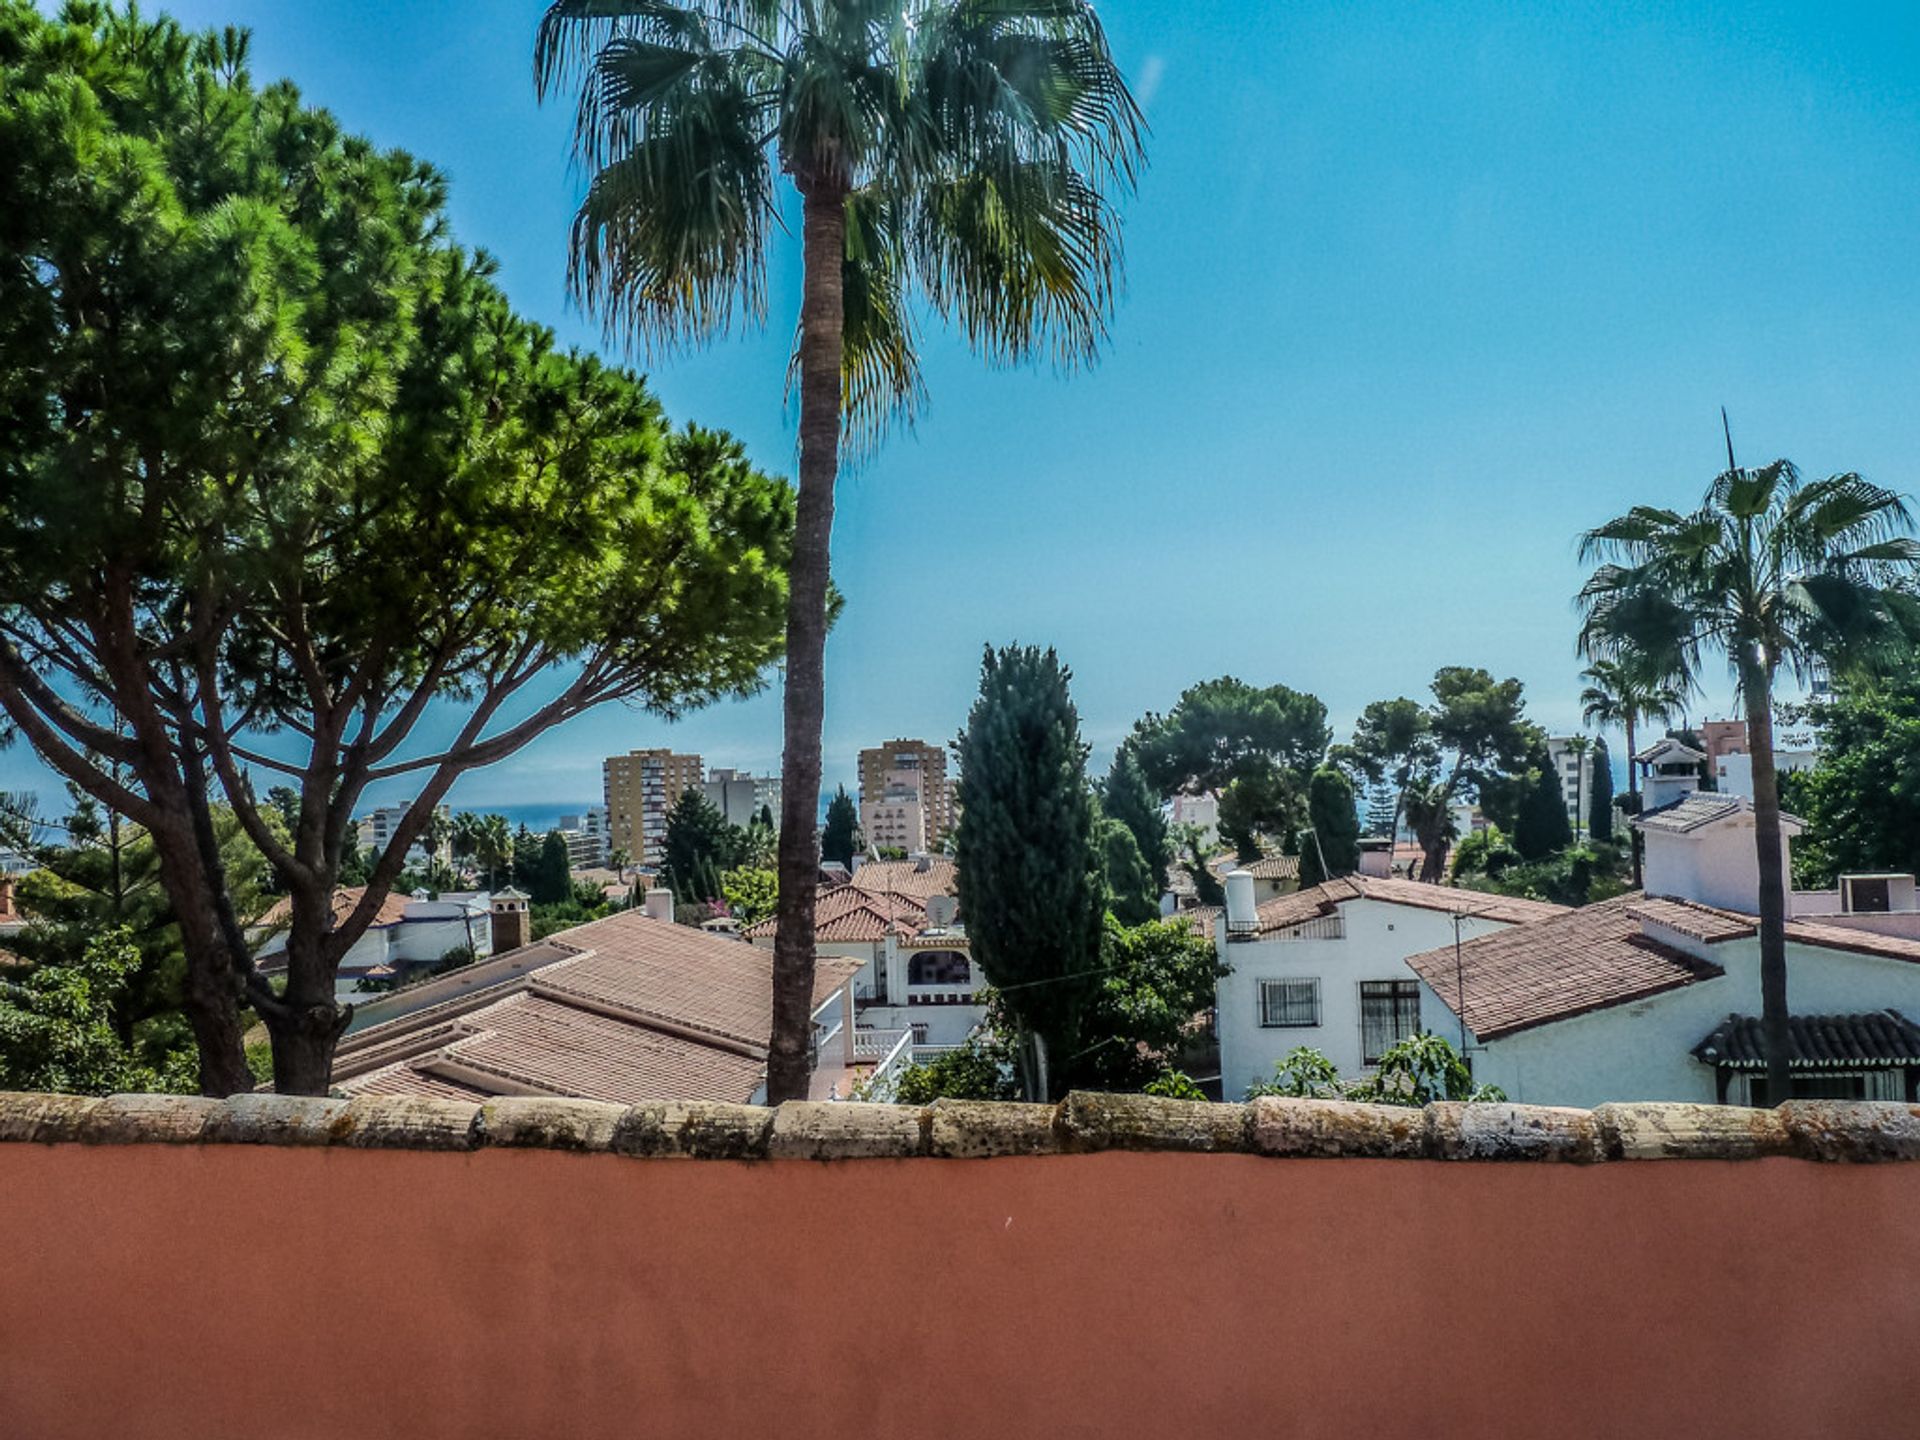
(1624, 691)
(1769, 570)
(974, 144)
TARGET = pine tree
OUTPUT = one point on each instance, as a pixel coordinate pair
(840, 836)
(1600, 802)
(1126, 797)
(1029, 880)
(1332, 845)
(700, 846)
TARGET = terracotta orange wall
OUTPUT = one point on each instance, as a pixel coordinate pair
(260, 1293)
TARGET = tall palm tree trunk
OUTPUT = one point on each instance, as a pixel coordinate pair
(822, 317)
(1756, 684)
(1633, 789)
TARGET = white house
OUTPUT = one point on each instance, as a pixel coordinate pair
(1326, 966)
(899, 918)
(1656, 996)
(407, 933)
(1734, 772)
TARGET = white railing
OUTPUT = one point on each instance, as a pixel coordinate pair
(889, 1052)
(1321, 927)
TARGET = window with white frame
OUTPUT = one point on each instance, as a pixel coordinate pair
(1389, 1013)
(1289, 1004)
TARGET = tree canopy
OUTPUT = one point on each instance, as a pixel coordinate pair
(1028, 878)
(840, 836)
(1126, 796)
(1861, 799)
(1255, 747)
(1331, 843)
(280, 469)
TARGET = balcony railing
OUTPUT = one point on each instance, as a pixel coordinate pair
(1321, 927)
(889, 1052)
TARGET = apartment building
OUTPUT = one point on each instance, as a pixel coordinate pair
(586, 836)
(897, 773)
(740, 796)
(377, 829)
(1575, 774)
(642, 786)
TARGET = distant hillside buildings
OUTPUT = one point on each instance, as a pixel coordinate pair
(906, 798)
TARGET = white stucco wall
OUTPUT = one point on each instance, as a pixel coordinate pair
(1379, 937)
(1714, 864)
(1643, 1051)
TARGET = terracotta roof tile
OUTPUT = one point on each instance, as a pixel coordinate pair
(1816, 1042)
(392, 910)
(1565, 965)
(1303, 905)
(1713, 926)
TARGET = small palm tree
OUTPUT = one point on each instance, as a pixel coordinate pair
(1625, 690)
(1770, 572)
(954, 151)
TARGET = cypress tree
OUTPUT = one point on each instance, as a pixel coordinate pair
(1600, 801)
(552, 877)
(1127, 798)
(1334, 823)
(1540, 822)
(840, 836)
(1029, 880)
(1132, 896)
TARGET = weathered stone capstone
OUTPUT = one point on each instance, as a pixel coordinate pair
(1816, 1130)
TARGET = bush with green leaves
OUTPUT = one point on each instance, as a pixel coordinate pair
(981, 1068)
(1412, 1072)
(57, 1032)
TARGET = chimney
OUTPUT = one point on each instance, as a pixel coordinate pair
(659, 905)
(512, 922)
(1243, 920)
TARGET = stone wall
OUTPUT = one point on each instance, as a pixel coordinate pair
(1112, 1266)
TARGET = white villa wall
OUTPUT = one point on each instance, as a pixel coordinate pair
(1714, 865)
(1377, 941)
(1643, 1051)
(947, 1024)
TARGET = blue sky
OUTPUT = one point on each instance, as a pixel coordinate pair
(1414, 295)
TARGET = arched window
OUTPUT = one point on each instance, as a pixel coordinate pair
(938, 967)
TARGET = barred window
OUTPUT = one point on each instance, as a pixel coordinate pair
(1289, 1004)
(1389, 1012)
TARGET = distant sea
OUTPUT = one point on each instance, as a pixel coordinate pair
(538, 818)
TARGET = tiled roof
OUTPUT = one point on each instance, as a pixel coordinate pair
(885, 896)
(1568, 964)
(632, 1009)
(392, 909)
(1701, 808)
(1712, 926)
(1817, 1042)
(1267, 867)
(1303, 905)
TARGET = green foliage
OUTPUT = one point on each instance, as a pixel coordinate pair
(1600, 800)
(1486, 851)
(551, 877)
(1253, 747)
(700, 847)
(1412, 1072)
(1861, 800)
(1131, 895)
(1126, 796)
(1193, 853)
(1540, 827)
(1333, 833)
(750, 893)
(981, 1068)
(565, 914)
(840, 836)
(1173, 1085)
(1156, 978)
(242, 366)
(1028, 878)
(1577, 875)
(1303, 1073)
(57, 1031)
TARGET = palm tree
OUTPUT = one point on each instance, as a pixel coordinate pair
(956, 152)
(1769, 571)
(493, 847)
(1428, 808)
(1624, 691)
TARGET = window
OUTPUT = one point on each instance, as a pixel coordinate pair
(1289, 1004)
(939, 967)
(1389, 1012)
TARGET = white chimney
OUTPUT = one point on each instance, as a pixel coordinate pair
(1243, 920)
(659, 905)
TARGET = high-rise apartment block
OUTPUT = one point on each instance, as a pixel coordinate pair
(906, 799)
(741, 797)
(642, 786)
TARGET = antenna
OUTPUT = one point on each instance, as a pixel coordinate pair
(1728, 430)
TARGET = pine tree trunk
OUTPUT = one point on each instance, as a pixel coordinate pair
(821, 319)
(1756, 683)
(209, 996)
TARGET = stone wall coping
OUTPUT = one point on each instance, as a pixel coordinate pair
(1083, 1123)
